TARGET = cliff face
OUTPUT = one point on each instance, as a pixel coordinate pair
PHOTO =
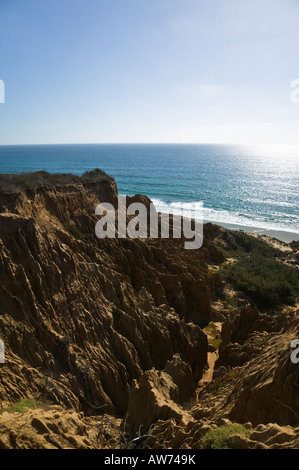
(82, 317)
(258, 348)
(254, 383)
(107, 334)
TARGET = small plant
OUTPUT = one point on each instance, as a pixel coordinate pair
(213, 334)
(216, 342)
(114, 436)
(219, 438)
(75, 232)
(225, 380)
(21, 406)
(232, 301)
(211, 328)
(94, 173)
(12, 183)
(257, 272)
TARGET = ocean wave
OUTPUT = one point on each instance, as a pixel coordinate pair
(226, 217)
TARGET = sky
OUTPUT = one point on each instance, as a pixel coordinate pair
(118, 71)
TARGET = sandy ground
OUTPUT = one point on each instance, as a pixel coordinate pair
(212, 358)
(208, 374)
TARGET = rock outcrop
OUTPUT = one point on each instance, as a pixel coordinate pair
(51, 428)
(160, 395)
(168, 434)
(254, 378)
(81, 318)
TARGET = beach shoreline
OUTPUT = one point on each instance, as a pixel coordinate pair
(286, 237)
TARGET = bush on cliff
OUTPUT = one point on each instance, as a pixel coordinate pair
(94, 174)
(40, 179)
(257, 272)
(21, 406)
(220, 438)
(266, 281)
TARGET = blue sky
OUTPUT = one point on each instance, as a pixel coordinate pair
(214, 71)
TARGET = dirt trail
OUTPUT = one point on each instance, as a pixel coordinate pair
(212, 358)
(208, 373)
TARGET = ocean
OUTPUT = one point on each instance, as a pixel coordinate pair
(254, 187)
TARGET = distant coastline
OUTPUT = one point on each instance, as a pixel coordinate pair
(284, 236)
(281, 235)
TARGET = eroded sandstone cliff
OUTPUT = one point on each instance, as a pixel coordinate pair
(82, 317)
(107, 335)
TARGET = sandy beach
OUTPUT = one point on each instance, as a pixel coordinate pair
(286, 237)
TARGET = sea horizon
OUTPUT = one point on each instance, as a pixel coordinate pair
(251, 188)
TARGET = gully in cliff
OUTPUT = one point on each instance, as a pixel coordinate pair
(189, 225)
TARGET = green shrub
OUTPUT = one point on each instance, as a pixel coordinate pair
(244, 243)
(94, 174)
(216, 342)
(12, 183)
(257, 272)
(75, 232)
(214, 336)
(232, 301)
(267, 281)
(219, 438)
(22, 405)
(211, 329)
(224, 381)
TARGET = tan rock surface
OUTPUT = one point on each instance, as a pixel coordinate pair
(82, 317)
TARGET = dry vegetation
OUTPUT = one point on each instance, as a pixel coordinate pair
(42, 179)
